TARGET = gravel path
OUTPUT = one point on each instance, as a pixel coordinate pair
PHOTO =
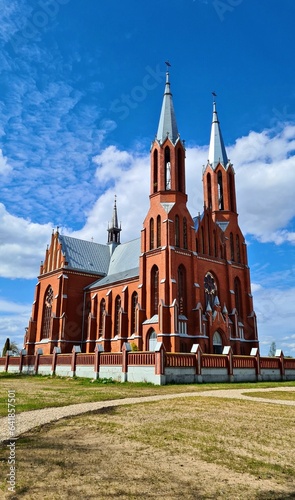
(28, 420)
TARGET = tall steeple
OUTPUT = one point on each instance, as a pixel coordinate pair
(167, 124)
(218, 176)
(168, 151)
(114, 229)
(217, 153)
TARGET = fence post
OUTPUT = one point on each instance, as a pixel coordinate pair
(8, 354)
(76, 348)
(279, 354)
(227, 350)
(255, 352)
(196, 349)
(56, 351)
(125, 349)
(160, 362)
(39, 353)
(98, 349)
(22, 353)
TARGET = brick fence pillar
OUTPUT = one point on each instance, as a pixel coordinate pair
(75, 350)
(227, 350)
(196, 349)
(22, 353)
(160, 361)
(39, 353)
(255, 352)
(125, 349)
(56, 351)
(97, 351)
(280, 354)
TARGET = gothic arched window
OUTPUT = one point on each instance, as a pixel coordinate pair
(238, 297)
(232, 192)
(158, 231)
(184, 233)
(238, 249)
(154, 290)
(117, 315)
(177, 242)
(167, 169)
(181, 289)
(155, 186)
(209, 191)
(180, 171)
(220, 191)
(134, 301)
(47, 313)
(151, 234)
(232, 250)
(102, 308)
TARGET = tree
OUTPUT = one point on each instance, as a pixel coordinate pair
(6, 347)
(10, 346)
(272, 349)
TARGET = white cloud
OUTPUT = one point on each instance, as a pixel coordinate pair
(265, 180)
(22, 245)
(275, 314)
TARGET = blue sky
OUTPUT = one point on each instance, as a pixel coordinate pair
(81, 88)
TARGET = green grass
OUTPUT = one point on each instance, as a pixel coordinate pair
(282, 395)
(35, 391)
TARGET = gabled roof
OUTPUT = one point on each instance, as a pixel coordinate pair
(124, 264)
(85, 255)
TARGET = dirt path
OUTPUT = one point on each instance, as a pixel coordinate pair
(28, 420)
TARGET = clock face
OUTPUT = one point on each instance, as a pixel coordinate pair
(209, 284)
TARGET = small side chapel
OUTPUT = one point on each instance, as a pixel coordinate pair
(184, 281)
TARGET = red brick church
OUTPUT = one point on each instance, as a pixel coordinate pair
(184, 281)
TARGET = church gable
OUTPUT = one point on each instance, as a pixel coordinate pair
(79, 255)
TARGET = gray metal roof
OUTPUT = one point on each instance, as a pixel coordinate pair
(167, 123)
(217, 153)
(114, 278)
(85, 255)
(124, 263)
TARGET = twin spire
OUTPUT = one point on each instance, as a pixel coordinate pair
(167, 124)
(217, 153)
(168, 128)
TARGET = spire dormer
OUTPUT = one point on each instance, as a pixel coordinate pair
(114, 229)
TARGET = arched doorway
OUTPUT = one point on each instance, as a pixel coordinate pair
(152, 340)
(217, 343)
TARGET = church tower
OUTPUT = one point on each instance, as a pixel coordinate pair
(218, 177)
(168, 236)
(223, 271)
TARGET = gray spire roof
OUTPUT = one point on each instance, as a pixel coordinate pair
(114, 223)
(167, 123)
(217, 153)
(114, 229)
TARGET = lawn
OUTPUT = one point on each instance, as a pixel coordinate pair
(189, 448)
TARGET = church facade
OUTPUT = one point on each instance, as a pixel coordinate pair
(184, 281)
